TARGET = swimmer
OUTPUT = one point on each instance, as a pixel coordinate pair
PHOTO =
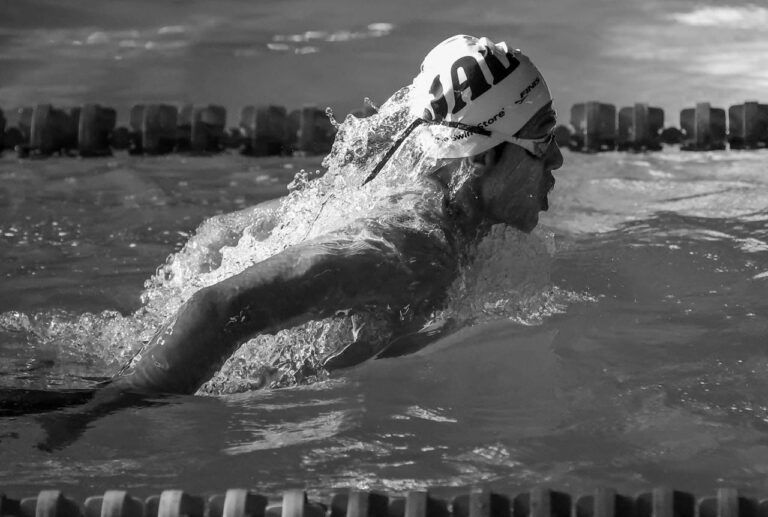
(486, 109)
(494, 113)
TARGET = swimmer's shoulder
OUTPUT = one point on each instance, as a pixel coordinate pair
(408, 231)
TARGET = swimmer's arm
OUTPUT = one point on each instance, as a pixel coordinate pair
(307, 281)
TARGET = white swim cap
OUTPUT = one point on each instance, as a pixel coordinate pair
(480, 84)
(470, 96)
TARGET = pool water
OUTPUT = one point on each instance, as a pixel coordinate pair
(636, 357)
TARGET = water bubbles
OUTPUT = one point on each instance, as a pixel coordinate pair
(369, 103)
(300, 181)
(329, 113)
(14, 321)
(75, 344)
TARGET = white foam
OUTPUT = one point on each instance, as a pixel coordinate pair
(381, 27)
(97, 38)
(172, 29)
(433, 415)
(306, 50)
(738, 17)
(279, 47)
(285, 42)
(279, 436)
(751, 245)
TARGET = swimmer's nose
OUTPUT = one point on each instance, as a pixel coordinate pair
(553, 158)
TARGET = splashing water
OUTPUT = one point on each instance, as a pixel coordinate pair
(508, 276)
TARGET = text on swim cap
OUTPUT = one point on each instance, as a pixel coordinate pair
(493, 119)
(463, 135)
(475, 81)
(528, 89)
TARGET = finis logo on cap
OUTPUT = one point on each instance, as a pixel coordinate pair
(528, 89)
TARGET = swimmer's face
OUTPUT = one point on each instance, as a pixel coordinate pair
(515, 184)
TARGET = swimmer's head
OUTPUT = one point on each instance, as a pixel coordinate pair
(482, 85)
(470, 96)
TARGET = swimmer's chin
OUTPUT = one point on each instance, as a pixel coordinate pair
(526, 225)
(529, 226)
(525, 221)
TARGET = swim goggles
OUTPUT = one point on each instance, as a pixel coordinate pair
(536, 146)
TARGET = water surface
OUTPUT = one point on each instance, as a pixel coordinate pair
(636, 358)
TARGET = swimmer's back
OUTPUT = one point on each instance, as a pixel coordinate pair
(394, 259)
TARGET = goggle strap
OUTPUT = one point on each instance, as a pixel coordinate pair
(407, 131)
(525, 144)
(538, 147)
(465, 127)
(376, 170)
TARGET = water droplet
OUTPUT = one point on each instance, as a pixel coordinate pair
(331, 118)
(368, 102)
